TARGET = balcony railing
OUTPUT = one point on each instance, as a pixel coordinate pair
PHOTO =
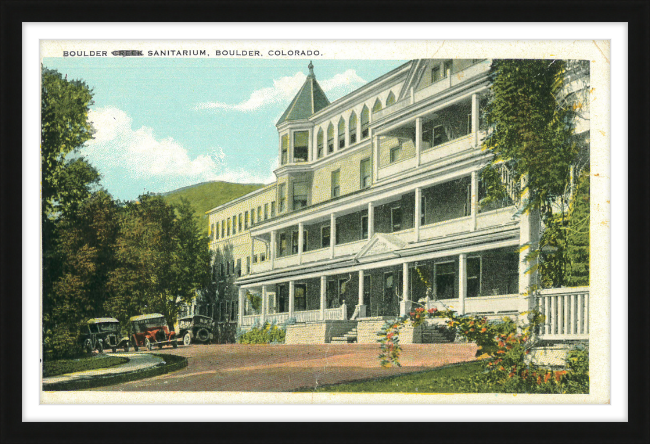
(331, 314)
(450, 148)
(566, 311)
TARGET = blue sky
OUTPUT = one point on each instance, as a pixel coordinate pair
(165, 123)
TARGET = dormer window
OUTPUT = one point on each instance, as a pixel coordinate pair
(320, 143)
(300, 146)
(341, 133)
(353, 128)
(390, 100)
(365, 122)
(330, 139)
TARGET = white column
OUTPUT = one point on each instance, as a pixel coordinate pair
(371, 220)
(405, 303)
(475, 121)
(474, 200)
(265, 304)
(323, 296)
(274, 248)
(292, 290)
(361, 307)
(301, 240)
(462, 282)
(418, 213)
(332, 234)
(242, 297)
(418, 140)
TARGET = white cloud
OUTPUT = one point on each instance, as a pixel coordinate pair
(285, 88)
(119, 149)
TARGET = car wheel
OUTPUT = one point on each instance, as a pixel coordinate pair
(100, 347)
(148, 344)
(135, 344)
(126, 347)
(175, 343)
(187, 339)
(114, 349)
(203, 335)
(88, 347)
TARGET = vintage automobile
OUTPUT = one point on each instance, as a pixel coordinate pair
(151, 329)
(101, 333)
(195, 328)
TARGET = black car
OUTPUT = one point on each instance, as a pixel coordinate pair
(101, 333)
(196, 328)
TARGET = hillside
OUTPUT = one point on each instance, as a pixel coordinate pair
(207, 195)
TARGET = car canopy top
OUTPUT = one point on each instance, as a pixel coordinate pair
(189, 318)
(102, 320)
(146, 317)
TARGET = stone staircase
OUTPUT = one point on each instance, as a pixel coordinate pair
(348, 338)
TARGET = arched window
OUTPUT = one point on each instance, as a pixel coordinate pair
(341, 133)
(365, 122)
(320, 143)
(353, 128)
(377, 106)
(285, 149)
(390, 100)
(330, 139)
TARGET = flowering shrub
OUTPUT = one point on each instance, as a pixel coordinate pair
(266, 334)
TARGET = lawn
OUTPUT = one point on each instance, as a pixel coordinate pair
(62, 366)
(449, 379)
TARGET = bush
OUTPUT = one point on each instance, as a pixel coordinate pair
(266, 334)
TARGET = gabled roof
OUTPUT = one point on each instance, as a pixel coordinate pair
(310, 99)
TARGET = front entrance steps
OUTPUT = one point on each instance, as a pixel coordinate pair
(350, 337)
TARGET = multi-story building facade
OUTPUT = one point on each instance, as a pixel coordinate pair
(375, 210)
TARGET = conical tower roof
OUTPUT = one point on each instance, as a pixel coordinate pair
(309, 100)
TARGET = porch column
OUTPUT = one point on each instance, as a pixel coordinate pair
(301, 240)
(323, 296)
(265, 304)
(274, 248)
(362, 308)
(292, 291)
(371, 220)
(418, 213)
(405, 303)
(529, 226)
(474, 200)
(462, 282)
(418, 140)
(475, 121)
(332, 234)
(242, 297)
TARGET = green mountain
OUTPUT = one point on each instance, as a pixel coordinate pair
(207, 195)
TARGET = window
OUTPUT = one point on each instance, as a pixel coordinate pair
(282, 198)
(252, 217)
(364, 226)
(353, 128)
(325, 237)
(377, 106)
(336, 185)
(273, 209)
(221, 269)
(228, 227)
(469, 123)
(330, 139)
(259, 214)
(341, 133)
(365, 122)
(234, 225)
(212, 231)
(473, 276)
(439, 135)
(283, 244)
(255, 259)
(300, 146)
(436, 74)
(266, 211)
(396, 219)
(285, 149)
(319, 143)
(262, 257)
(239, 222)
(423, 209)
(390, 100)
(238, 269)
(217, 230)
(245, 220)
(300, 195)
(300, 297)
(445, 278)
(395, 153)
(447, 68)
(223, 228)
(228, 268)
(294, 242)
(248, 264)
(366, 174)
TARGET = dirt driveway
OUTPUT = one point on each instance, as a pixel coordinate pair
(278, 368)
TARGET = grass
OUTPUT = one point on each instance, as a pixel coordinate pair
(62, 366)
(172, 363)
(205, 196)
(449, 379)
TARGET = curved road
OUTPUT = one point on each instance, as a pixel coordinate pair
(278, 368)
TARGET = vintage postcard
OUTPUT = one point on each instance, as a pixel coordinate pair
(307, 222)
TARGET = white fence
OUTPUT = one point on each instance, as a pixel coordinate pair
(331, 314)
(566, 311)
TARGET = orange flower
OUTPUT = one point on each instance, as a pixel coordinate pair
(559, 374)
(483, 330)
(547, 377)
(539, 380)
